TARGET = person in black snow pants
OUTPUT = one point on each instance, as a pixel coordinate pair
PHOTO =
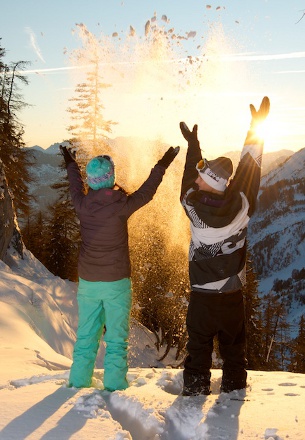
(219, 214)
(104, 292)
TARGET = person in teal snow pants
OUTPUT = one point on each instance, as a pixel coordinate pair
(104, 293)
(102, 302)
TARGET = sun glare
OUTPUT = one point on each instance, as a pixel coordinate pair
(272, 131)
(264, 129)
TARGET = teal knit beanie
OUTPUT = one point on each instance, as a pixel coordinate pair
(100, 172)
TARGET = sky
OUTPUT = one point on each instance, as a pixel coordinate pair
(37, 332)
(211, 60)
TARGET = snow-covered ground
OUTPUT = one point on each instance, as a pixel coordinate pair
(37, 318)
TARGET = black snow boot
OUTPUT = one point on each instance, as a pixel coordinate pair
(196, 384)
(233, 380)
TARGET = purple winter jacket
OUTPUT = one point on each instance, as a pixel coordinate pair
(103, 215)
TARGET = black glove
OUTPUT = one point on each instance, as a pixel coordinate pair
(260, 115)
(168, 157)
(187, 134)
(68, 154)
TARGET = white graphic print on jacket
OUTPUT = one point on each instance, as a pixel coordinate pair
(208, 242)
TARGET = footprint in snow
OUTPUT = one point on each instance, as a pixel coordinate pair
(90, 405)
(291, 394)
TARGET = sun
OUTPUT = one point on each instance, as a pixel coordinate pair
(265, 129)
(272, 131)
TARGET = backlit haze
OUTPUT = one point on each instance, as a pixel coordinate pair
(202, 64)
(155, 84)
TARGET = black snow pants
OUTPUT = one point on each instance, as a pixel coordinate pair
(210, 315)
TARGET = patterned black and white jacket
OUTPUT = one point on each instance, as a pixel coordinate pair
(217, 254)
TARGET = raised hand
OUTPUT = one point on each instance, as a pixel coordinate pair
(168, 157)
(68, 154)
(187, 133)
(258, 116)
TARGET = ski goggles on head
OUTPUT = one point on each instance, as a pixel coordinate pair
(202, 165)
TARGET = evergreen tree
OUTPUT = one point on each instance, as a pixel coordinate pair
(273, 317)
(16, 159)
(253, 319)
(63, 238)
(158, 235)
(297, 362)
(160, 287)
(89, 129)
(62, 234)
(284, 343)
(53, 236)
(34, 235)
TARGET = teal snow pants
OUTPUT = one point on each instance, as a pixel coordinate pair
(102, 304)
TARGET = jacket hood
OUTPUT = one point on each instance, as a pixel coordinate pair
(215, 210)
(102, 198)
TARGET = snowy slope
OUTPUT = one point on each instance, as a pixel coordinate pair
(36, 312)
(291, 168)
(277, 236)
(42, 407)
(37, 301)
(48, 305)
(276, 232)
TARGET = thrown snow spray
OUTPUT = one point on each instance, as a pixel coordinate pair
(155, 84)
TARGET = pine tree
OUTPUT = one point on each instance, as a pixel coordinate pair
(274, 319)
(16, 159)
(34, 235)
(297, 362)
(284, 343)
(253, 319)
(62, 234)
(63, 237)
(158, 250)
(160, 288)
(53, 235)
(89, 129)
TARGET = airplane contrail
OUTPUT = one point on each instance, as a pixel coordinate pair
(222, 57)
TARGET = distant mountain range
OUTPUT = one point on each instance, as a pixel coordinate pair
(47, 170)
(52, 149)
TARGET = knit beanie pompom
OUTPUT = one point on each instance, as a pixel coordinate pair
(100, 173)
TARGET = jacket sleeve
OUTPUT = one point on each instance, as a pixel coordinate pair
(77, 187)
(248, 173)
(190, 174)
(146, 191)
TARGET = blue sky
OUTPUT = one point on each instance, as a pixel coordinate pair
(245, 50)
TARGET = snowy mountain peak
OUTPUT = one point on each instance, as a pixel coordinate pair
(293, 167)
